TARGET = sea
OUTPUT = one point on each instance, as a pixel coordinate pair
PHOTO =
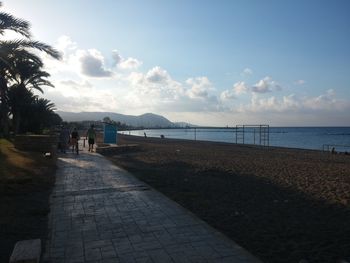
(315, 138)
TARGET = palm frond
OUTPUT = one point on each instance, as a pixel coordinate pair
(42, 47)
(7, 45)
(45, 104)
(37, 87)
(38, 83)
(9, 22)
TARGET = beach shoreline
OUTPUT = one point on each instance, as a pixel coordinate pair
(316, 138)
(281, 204)
(253, 146)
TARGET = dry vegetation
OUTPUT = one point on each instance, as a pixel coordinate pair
(26, 180)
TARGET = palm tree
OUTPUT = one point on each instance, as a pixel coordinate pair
(20, 100)
(39, 115)
(12, 51)
(27, 76)
(35, 113)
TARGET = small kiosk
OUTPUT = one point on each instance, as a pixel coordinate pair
(110, 133)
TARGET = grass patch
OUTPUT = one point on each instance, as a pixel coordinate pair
(26, 181)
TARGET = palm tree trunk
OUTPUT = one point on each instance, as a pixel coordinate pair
(4, 108)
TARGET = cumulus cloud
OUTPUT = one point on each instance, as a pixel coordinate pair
(200, 87)
(266, 85)
(227, 95)
(156, 83)
(160, 92)
(130, 63)
(92, 64)
(122, 63)
(85, 82)
(240, 88)
(117, 58)
(157, 75)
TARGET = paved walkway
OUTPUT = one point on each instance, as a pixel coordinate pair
(102, 214)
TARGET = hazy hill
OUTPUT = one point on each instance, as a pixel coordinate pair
(184, 124)
(147, 120)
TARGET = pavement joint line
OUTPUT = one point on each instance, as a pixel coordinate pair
(127, 188)
(101, 213)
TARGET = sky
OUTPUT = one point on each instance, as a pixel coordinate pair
(215, 63)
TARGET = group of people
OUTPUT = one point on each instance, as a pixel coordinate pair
(69, 138)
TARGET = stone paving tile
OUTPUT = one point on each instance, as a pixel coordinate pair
(102, 214)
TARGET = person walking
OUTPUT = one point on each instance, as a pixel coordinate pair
(91, 135)
(74, 140)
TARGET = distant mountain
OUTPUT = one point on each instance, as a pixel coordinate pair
(184, 125)
(148, 120)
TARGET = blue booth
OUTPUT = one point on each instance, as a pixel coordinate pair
(110, 133)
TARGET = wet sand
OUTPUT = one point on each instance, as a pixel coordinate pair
(282, 205)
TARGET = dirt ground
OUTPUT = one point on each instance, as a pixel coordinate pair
(26, 181)
(282, 205)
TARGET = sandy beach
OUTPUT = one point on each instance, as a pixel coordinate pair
(282, 205)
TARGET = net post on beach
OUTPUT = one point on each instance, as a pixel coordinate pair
(253, 134)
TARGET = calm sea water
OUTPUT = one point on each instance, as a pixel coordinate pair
(292, 137)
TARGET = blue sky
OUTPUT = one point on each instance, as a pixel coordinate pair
(205, 62)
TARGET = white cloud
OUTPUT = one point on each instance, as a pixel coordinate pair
(247, 72)
(130, 63)
(327, 101)
(74, 89)
(262, 86)
(157, 75)
(227, 95)
(323, 103)
(65, 43)
(156, 82)
(240, 88)
(266, 85)
(200, 87)
(69, 95)
(158, 91)
(117, 58)
(76, 62)
(154, 85)
(122, 63)
(125, 88)
(92, 63)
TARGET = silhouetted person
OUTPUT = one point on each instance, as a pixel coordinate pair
(91, 135)
(74, 140)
